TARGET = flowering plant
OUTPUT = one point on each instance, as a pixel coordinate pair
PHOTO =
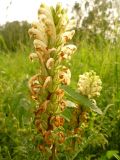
(51, 36)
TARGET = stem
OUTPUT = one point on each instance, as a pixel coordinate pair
(78, 112)
(116, 75)
(52, 157)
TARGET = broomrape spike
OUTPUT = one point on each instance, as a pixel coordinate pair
(50, 35)
(45, 86)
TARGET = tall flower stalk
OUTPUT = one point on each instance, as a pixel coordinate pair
(51, 35)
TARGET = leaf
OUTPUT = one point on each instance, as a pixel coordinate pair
(96, 109)
(67, 114)
(117, 156)
(106, 108)
(72, 95)
(113, 153)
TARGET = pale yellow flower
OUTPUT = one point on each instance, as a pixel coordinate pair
(40, 45)
(45, 15)
(41, 27)
(68, 35)
(50, 63)
(67, 51)
(33, 56)
(44, 10)
(37, 34)
(90, 84)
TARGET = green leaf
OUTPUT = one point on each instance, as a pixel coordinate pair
(113, 153)
(67, 114)
(86, 103)
(117, 156)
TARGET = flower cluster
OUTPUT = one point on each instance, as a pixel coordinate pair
(50, 35)
(89, 84)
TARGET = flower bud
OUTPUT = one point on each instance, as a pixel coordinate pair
(45, 11)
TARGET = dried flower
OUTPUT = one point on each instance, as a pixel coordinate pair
(61, 137)
(35, 84)
(58, 121)
(47, 82)
(65, 76)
